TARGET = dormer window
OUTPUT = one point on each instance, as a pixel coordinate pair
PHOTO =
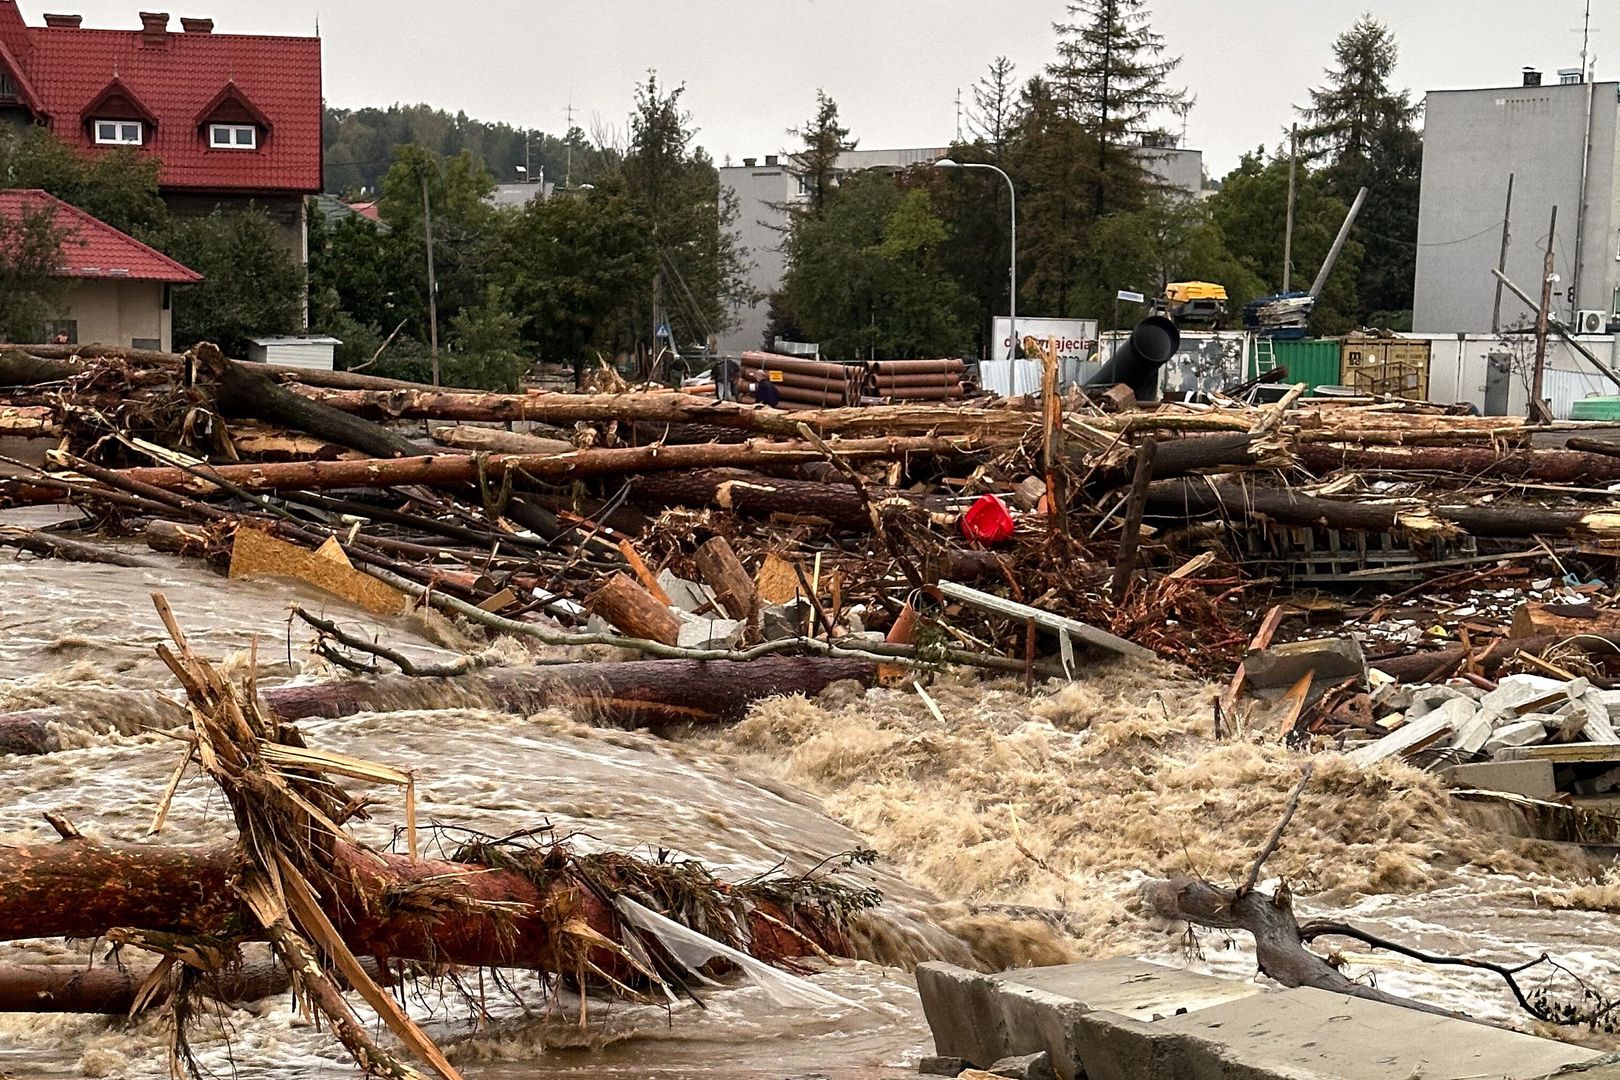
(233, 136)
(119, 133)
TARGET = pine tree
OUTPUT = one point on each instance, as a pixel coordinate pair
(1363, 133)
(1111, 76)
(816, 163)
(995, 106)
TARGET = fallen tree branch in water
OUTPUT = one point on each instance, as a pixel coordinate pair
(1280, 939)
(331, 631)
(296, 879)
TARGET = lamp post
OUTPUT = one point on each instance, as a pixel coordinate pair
(1012, 263)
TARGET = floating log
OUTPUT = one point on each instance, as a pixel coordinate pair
(630, 608)
(478, 915)
(51, 546)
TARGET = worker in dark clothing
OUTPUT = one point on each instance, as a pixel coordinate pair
(765, 393)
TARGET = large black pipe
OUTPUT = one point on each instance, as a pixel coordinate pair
(1136, 363)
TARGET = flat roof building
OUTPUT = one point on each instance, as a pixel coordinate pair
(1559, 144)
(764, 192)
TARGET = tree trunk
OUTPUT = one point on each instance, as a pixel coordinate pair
(723, 572)
(756, 495)
(457, 469)
(49, 545)
(1543, 466)
(629, 693)
(1278, 948)
(626, 603)
(1183, 497)
(470, 914)
(29, 422)
(244, 391)
(499, 441)
(1437, 663)
(668, 408)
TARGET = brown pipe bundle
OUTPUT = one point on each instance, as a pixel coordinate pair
(907, 382)
(915, 367)
(826, 369)
(793, 378)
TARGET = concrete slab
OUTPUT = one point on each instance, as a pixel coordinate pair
(1134, 988)
(1533, 779)
(1305, 1034)
(1130, 1020)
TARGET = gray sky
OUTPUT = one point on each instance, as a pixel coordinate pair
(751, 67)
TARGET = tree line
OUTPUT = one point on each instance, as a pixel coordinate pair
(639, 253)
(914, 263)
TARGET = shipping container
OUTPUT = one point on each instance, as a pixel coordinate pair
(1398, 367)
(1312, 361)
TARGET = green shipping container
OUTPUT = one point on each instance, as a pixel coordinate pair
(1312, 361)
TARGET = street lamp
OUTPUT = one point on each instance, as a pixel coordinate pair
(1012, 263)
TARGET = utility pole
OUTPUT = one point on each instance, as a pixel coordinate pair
(1538, 408)
(568, 169)
(433, 287)
(1501, 260)
(1288, 227)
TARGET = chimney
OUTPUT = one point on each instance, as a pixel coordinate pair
(772, 159)
(750, 162)
(1532, 77)
(154, 28)
(64, 22)
(197, 26)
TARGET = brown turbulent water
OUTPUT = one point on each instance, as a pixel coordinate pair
(80, 640)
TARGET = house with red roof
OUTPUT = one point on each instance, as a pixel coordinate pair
(120, 290)
(233, 118)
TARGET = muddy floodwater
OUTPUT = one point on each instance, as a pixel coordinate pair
(1065, 807)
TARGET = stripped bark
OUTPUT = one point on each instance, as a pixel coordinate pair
(1183, 497)
(448, 469)
(384, 905)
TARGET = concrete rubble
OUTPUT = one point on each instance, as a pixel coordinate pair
(1131, 1020)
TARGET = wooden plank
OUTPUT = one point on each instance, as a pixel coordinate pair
(1091, 635)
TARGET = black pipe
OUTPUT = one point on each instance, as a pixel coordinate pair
(1136, 363)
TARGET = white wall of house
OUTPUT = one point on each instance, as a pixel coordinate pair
(112, 312)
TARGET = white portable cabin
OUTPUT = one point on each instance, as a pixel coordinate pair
(312, 351)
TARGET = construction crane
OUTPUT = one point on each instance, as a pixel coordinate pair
(1288, 314)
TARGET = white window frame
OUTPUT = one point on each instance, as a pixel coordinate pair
(233, 137)
(120, 133)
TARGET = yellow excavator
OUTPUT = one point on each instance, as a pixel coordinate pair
(1192, 303)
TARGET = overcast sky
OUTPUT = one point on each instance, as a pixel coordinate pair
(752, 67)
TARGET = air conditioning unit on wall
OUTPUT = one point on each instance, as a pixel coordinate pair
(1591, 322)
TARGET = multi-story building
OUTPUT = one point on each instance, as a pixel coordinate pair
(233, 118)
(1559, 145)
(764, 192)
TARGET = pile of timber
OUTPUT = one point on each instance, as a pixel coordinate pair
(912, 380)
(845, 508)
(799, 383)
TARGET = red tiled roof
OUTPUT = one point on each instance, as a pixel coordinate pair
(181, 80)
(93, 249)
